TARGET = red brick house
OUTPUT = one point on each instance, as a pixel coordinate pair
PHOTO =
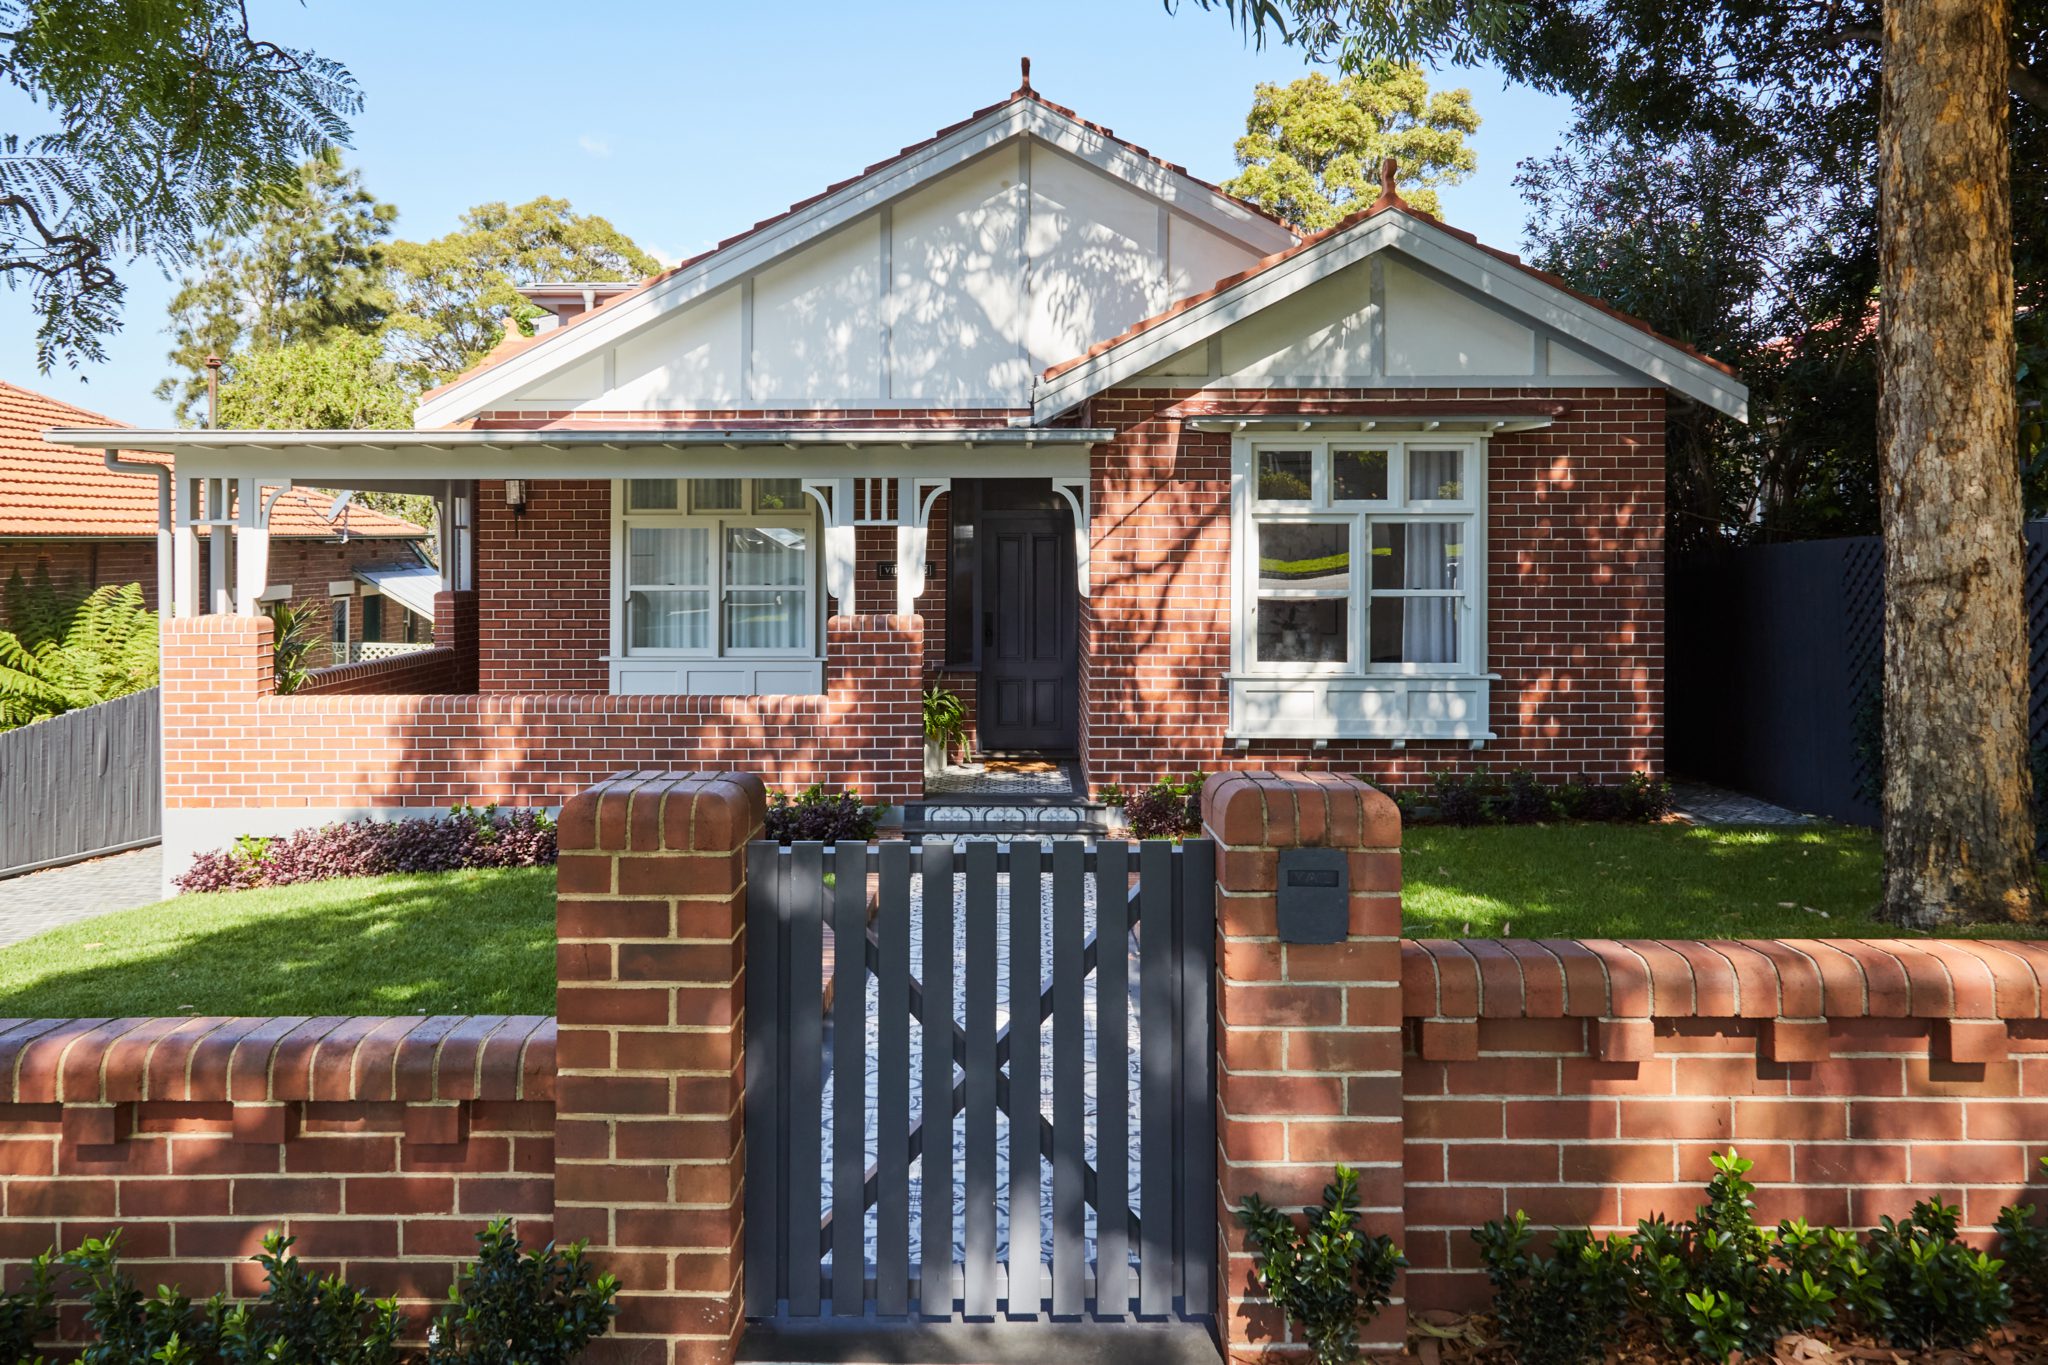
(1023, 410)
(64, 512)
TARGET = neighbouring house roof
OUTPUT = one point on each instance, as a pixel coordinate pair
(53, 492)
(412, 586)
(1201, 315)
(1039, 112)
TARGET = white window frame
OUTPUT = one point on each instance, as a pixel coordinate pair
(624, 519)
(1358, 698)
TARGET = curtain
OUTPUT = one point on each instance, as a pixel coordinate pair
(1429, 626)
(669, 570)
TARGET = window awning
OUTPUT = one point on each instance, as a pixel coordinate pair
(1484, 416)
(412, 586)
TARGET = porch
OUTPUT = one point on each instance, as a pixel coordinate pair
(774, 598)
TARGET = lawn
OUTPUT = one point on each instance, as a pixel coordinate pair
(1644, 881)
(451, 943)
(483, 942)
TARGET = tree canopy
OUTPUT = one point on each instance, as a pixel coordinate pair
(454, 292)
(346, 382)
(168, 119)
(311, 268)
(1312, 148)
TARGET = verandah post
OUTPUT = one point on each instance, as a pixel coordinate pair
(649, 1133)
(1308, 1035)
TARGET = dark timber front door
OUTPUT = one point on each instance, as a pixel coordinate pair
(1029, 620)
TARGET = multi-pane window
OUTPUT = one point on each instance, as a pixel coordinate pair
(1361, 555)
(718, 566)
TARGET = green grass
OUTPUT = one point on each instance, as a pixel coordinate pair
(483, 942)
(451, 943)
(1645, 881)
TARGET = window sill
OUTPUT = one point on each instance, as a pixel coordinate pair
(706, 676)
(1372, 707)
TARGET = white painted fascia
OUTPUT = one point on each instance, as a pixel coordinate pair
(1514, 290)
(1021, 117)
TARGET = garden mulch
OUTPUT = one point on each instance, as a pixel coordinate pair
(1436, 1338)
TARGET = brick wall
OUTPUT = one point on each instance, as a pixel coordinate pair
(543, 587)
(1583, 1081)
(383, 1145)
(1587, 1082)
(1575, 525)
(78, 566)
(229, 743)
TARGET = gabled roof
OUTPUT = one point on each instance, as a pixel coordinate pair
(1024, 112)
(1389, 222)
(53, 492)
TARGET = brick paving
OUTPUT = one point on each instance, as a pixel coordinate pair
(36, 901)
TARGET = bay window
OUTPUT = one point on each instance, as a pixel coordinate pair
(1361, 588)
(710, 575)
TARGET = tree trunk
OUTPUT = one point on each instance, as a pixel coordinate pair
(1958, 821)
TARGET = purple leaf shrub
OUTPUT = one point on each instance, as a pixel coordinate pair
(467, 837)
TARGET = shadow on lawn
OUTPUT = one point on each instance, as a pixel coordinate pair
(467, 942)
(1641, 881)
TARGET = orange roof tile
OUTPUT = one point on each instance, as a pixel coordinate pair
(1023, 92)
(1384, 204)
(53, 492)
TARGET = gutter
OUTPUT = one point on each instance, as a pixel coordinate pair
(163, 522)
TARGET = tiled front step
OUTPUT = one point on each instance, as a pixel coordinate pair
(936, 817)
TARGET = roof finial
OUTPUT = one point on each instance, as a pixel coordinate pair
(1390, 195)
(1025, 88)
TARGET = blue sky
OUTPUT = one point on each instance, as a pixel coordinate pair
(684, 123)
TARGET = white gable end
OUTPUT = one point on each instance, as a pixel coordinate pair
(1391, 304)
(953, 293)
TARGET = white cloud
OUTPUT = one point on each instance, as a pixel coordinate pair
(595, 146)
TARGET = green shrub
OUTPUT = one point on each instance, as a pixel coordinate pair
(1479, 798)
(945, 718)
(293, 635)
(1525, 801)
(528, 1308)
(1326, 1276)
(509, 1306)
(1935, 1291)
(2023, 1242)
(28, 1314)
(1714, 1284)
(1463, 800)
(1563, 1309)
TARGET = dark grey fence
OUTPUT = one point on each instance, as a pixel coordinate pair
(83, 783)
(902, 1159)
(1775, 669)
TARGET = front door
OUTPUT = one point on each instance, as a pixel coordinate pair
(1029, 621)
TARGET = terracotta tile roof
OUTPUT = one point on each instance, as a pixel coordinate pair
(1385, 204)
(1024, 92)
(52, 492)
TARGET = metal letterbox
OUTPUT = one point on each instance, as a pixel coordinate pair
(1314, 895)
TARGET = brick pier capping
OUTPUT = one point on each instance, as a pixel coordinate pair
(1584, 1081)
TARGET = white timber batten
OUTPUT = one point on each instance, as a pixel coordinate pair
(1559, 340)
(898, 288)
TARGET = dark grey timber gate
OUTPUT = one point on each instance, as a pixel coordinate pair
(943, 1045)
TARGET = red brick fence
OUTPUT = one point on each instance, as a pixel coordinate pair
(1585, 1082)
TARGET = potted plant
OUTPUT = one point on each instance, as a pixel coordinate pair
(945, 725)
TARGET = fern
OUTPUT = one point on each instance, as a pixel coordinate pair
(33, 608)
(107, 648)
